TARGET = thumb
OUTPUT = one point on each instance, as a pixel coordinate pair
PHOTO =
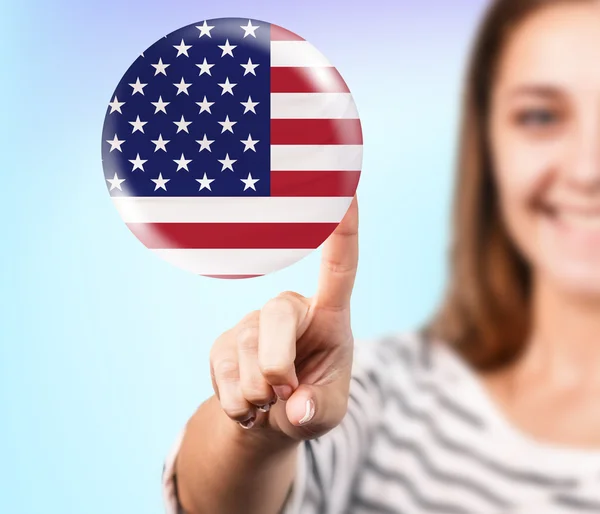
(317, 408)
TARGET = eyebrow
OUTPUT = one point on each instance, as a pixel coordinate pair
(536, 90)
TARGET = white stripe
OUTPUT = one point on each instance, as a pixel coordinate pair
(371, 488)
(316, 157)
(404, 462)
(232, 209)
(232, 262)
(296, 53)
(447, 460)
(312, 105)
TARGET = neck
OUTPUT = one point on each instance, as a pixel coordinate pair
(565, 340)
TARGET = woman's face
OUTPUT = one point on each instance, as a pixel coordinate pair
(545, 142)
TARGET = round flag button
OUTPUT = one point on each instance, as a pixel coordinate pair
(232, 148)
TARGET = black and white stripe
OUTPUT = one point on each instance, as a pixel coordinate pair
(421, 441)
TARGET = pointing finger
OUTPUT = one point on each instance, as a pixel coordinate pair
(339, 262)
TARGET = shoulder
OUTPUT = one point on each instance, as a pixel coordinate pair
(426, 379)
(412, 363)
(411, 350)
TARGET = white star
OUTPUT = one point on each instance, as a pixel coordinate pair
(115, 143)
(227, 125)
(249, 29)
(227, 49)
(115, 182)
(182, 48)
(182, 87)
(115, 105)
(182, 125)
(249, 68)
(205, 182)
(249, 143)
(205, 143)
(161, 144)
(249, 182)
(249, 105)
(160, 182)
(227, 87)
(160, 105)
(205, 105)
(182, 163)
(205, 29)
(161, 68)
(138, 163)
(138, 87)
(138, 125)
(227, 163)
(205, 67)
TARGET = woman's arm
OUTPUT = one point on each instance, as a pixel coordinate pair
(223, 468)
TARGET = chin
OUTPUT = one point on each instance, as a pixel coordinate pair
(577, 280)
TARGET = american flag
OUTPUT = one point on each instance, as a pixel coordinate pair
(232, 148)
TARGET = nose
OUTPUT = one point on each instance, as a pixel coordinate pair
(584, 168)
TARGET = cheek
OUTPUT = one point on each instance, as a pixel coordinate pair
(523, 167)
(522, 170)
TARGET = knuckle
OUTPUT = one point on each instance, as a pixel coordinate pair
(247, 339)
(290, 295)
(227, 370)
(257, 392)
(236, 410)
(255, 385)
(273, 371)
(339, 268)
(280, 307)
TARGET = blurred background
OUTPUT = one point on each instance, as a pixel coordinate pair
(103, 346)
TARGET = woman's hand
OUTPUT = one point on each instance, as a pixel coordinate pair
(286, 368)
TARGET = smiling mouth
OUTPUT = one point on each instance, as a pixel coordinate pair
(573, 216)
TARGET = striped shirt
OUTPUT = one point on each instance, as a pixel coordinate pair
(422, 436)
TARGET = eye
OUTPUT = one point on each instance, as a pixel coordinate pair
(537, 117)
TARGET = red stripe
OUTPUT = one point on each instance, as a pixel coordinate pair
(232, 235)
(231, 276)
(314, 183)
(280, 34)
(316, 132)
(325, 79)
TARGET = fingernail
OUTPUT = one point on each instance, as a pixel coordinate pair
(283, 392)
(264, 408)
(249, 423)
(310, 412)
(267, 406)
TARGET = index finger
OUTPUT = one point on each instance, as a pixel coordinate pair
(339, 262)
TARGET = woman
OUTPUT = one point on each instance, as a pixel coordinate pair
(495, 406)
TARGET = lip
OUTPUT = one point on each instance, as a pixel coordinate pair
(575, 220)
(572, 210)
(579, 221)
(571, 232)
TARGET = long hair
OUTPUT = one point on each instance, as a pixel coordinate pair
(486, 312)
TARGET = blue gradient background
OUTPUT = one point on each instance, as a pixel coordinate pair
(103, 346)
